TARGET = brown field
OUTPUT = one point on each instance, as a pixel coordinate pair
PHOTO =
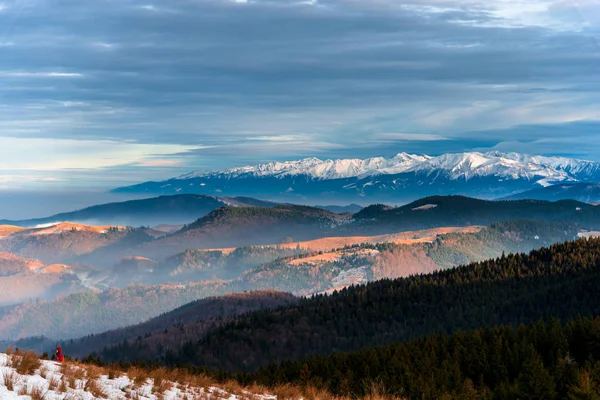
(54, 269)
(8, 258)
(332, 243)
(7, 230)
(411, 237)
(68, 226)
(325, 257)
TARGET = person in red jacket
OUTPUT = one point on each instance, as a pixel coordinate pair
(59, 354)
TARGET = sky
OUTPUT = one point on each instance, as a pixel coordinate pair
(103, 93)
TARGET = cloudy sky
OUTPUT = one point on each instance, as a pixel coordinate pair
(107, 92)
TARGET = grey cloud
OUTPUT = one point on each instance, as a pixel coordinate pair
(203, 72)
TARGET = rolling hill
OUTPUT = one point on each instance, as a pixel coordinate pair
(231, 227)
(174, 209)
(23, 279)
(237, 226)
(431, 212)
(184, 323)
(299, 271)
(64, 242)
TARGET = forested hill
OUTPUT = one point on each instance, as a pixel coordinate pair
(184, 323)
(463, 211)
(539, 361)
(560, 281)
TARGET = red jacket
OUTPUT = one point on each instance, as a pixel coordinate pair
(59, 354)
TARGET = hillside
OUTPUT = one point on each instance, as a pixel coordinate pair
(174, 209)
(405, 177)
(298, 271)
(188, 322)
(584, 192)
(350, 208)
(559, 281)
(12, 265)
(64, 242)
(437, 211)
(543, 360)
(24, 376)
(231, 227)
(246, 226)
(80, 314)
(23, 279)
(7, 230)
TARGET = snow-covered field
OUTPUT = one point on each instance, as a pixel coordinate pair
(49, 383)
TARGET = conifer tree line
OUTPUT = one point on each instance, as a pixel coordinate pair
(540, 361)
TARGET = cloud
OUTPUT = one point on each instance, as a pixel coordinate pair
(67, 154)
(268, 79)
(398, 136)
(8, 74)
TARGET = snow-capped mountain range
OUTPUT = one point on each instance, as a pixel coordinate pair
(403, 177)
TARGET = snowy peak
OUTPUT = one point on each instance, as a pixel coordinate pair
(541, 169)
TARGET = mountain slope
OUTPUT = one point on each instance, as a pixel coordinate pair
(299, 271)
(238, 226)
(23, 279)
(80, 314)
(184, 323)
(246, 226)
(584, 192)
(403, 177)
(24, 376)
(559, 281)
(64, 242)
(543, 360)
(435, 211)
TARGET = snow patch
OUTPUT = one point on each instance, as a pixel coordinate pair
(425, 207)
(350, 277)
(120, 388)
(542, 170)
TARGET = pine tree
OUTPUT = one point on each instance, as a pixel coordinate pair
(584, 389)
(535, 383)
(468, 391)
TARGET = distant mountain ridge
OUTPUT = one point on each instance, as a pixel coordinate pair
(584, 192)
(403, 177)
(174, 209)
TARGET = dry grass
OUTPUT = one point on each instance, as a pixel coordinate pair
(72, 374)
(9, 379)
(138, 375)
(63, 386)
(54, 383)
(195, 386)
(113, 373)
(44, 372)
(26, 363)
(9, 351)
(92, 386)
(37, 393)
(93, 372)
